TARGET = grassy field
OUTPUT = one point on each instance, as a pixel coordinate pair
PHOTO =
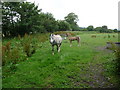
(87, 66)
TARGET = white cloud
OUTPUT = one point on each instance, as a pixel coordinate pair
(90, 12)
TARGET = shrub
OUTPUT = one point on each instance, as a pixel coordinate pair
(64, 32)
(116, 50)
(117, 53)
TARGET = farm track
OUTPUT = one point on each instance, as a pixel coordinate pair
(99, 80)
(93, 77)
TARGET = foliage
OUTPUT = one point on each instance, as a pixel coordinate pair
(72, 19)
(116, 50)
(47, 23)
(63, 25)
(90, 28)
(8, 13)
(117, 53)
(19, 18)
(104, 29)
(115, 30)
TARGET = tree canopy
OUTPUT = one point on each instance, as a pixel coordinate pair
(25, 17)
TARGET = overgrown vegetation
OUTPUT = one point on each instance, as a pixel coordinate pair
(116, 61)
(21, 48)
(77, 67)
(117, 53)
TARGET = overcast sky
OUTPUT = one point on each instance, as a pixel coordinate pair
(90, 12)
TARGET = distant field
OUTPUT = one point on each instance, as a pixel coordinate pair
(87, 66)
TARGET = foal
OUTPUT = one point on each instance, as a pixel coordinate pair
(73, 39)
(55, 40)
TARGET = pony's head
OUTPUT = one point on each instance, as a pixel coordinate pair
(51, 38)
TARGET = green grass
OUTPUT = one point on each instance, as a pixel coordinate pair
(73, 67)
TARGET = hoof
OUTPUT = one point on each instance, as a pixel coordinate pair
(52, 53)
(58, 50)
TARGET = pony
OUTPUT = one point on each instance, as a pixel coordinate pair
(104, 37)
(68, 34)
(93, 36)
(108, 36)
(55, 40)
(73, 39)
(114, 36)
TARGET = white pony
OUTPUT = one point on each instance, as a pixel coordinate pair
(55, 40)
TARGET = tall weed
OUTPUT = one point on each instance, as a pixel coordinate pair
(28, 45)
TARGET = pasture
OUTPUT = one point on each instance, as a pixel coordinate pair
(87, 66)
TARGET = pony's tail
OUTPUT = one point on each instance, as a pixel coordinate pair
(79, 38)
(79, 41)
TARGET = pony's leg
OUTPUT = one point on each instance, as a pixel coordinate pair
(70, 43)
(52, 49)
(59, 47)
(78, 42)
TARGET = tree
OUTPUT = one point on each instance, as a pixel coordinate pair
(29, 14)
(8, 15)
(90, 28)
(98, 29)
(47, 22)
(19, 18)
(115, 30)
(72, 19)
(103, 29)
(63, 25)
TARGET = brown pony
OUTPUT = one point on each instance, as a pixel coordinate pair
(68, 34)
(73, 39)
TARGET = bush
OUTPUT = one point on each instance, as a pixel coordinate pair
(116, 50)
(65, 32)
